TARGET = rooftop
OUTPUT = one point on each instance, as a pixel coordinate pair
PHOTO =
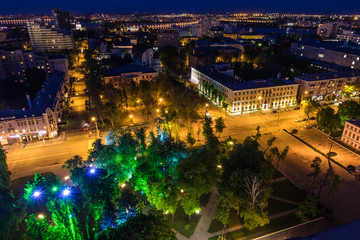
(236, 85)
(336, 46)
(354, 122)
(127, 69)
(328, 75)
(45, 98)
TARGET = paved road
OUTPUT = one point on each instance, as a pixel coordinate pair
(48, 157)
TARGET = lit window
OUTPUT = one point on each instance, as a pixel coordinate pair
(353, 63)
(345, 56)
(321, 55)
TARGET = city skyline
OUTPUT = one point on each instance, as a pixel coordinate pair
(162, 6)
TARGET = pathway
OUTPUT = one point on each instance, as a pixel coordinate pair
(201, 230)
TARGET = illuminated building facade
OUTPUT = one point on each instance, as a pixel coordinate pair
(41, 119)
(47, 39)
(320, 86)
(123, 75)
(351, 134)
(244, 97)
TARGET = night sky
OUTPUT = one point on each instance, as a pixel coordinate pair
(176, 6)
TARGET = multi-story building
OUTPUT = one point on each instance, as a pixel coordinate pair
(168, 38)
(47, 39)
(62, 20)
(41, 119)
(3, 36)
(125, 74)
(327, 30)
(244, 96)
(351, 134)
(325, 85)
(147, 57)
(15, 63)
(345, 54)
(349, 36)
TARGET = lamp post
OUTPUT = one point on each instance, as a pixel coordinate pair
(96, 125)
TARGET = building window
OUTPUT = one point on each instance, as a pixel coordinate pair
(345, 56)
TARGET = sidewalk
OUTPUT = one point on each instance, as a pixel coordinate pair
(201, 230)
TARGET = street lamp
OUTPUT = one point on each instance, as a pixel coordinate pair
(40, 216)
(96, 125)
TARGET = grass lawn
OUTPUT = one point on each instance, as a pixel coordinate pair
(287, 190)
(276, 207)
(275, 225)
(181, 219)
(234, 220)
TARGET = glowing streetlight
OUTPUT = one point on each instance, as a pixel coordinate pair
(182, 190)
(66, 192)
(96, 125)
(197, 211)
(130, 116)
(92, 170)
(66, 178)
(219, 166)
(40, 216)
(160, 100)
(123, 185)
(206, 105)
(157, 110)
(260, 97)
(231, 143)
(36, 194)
(54, 189)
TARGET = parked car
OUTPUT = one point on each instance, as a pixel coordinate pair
(331, 154)
(294, 131)
(85, 128)
(296, 108)
(307, 126)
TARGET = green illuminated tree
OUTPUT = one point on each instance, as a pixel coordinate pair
(308, 208)
(348, 110)
(146, 227)
(310, 107)
(12, 211)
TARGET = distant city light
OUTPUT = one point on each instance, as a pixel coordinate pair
(66, 178)
(54, 189)
(92, 170)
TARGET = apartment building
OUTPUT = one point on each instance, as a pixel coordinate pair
(124, 74)
(47, 39)
(168, 38)
(349, 36)
(320, 86)
(16, 62)
(351, 134)
(244, 97)
(345, 54)
(40, 121)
